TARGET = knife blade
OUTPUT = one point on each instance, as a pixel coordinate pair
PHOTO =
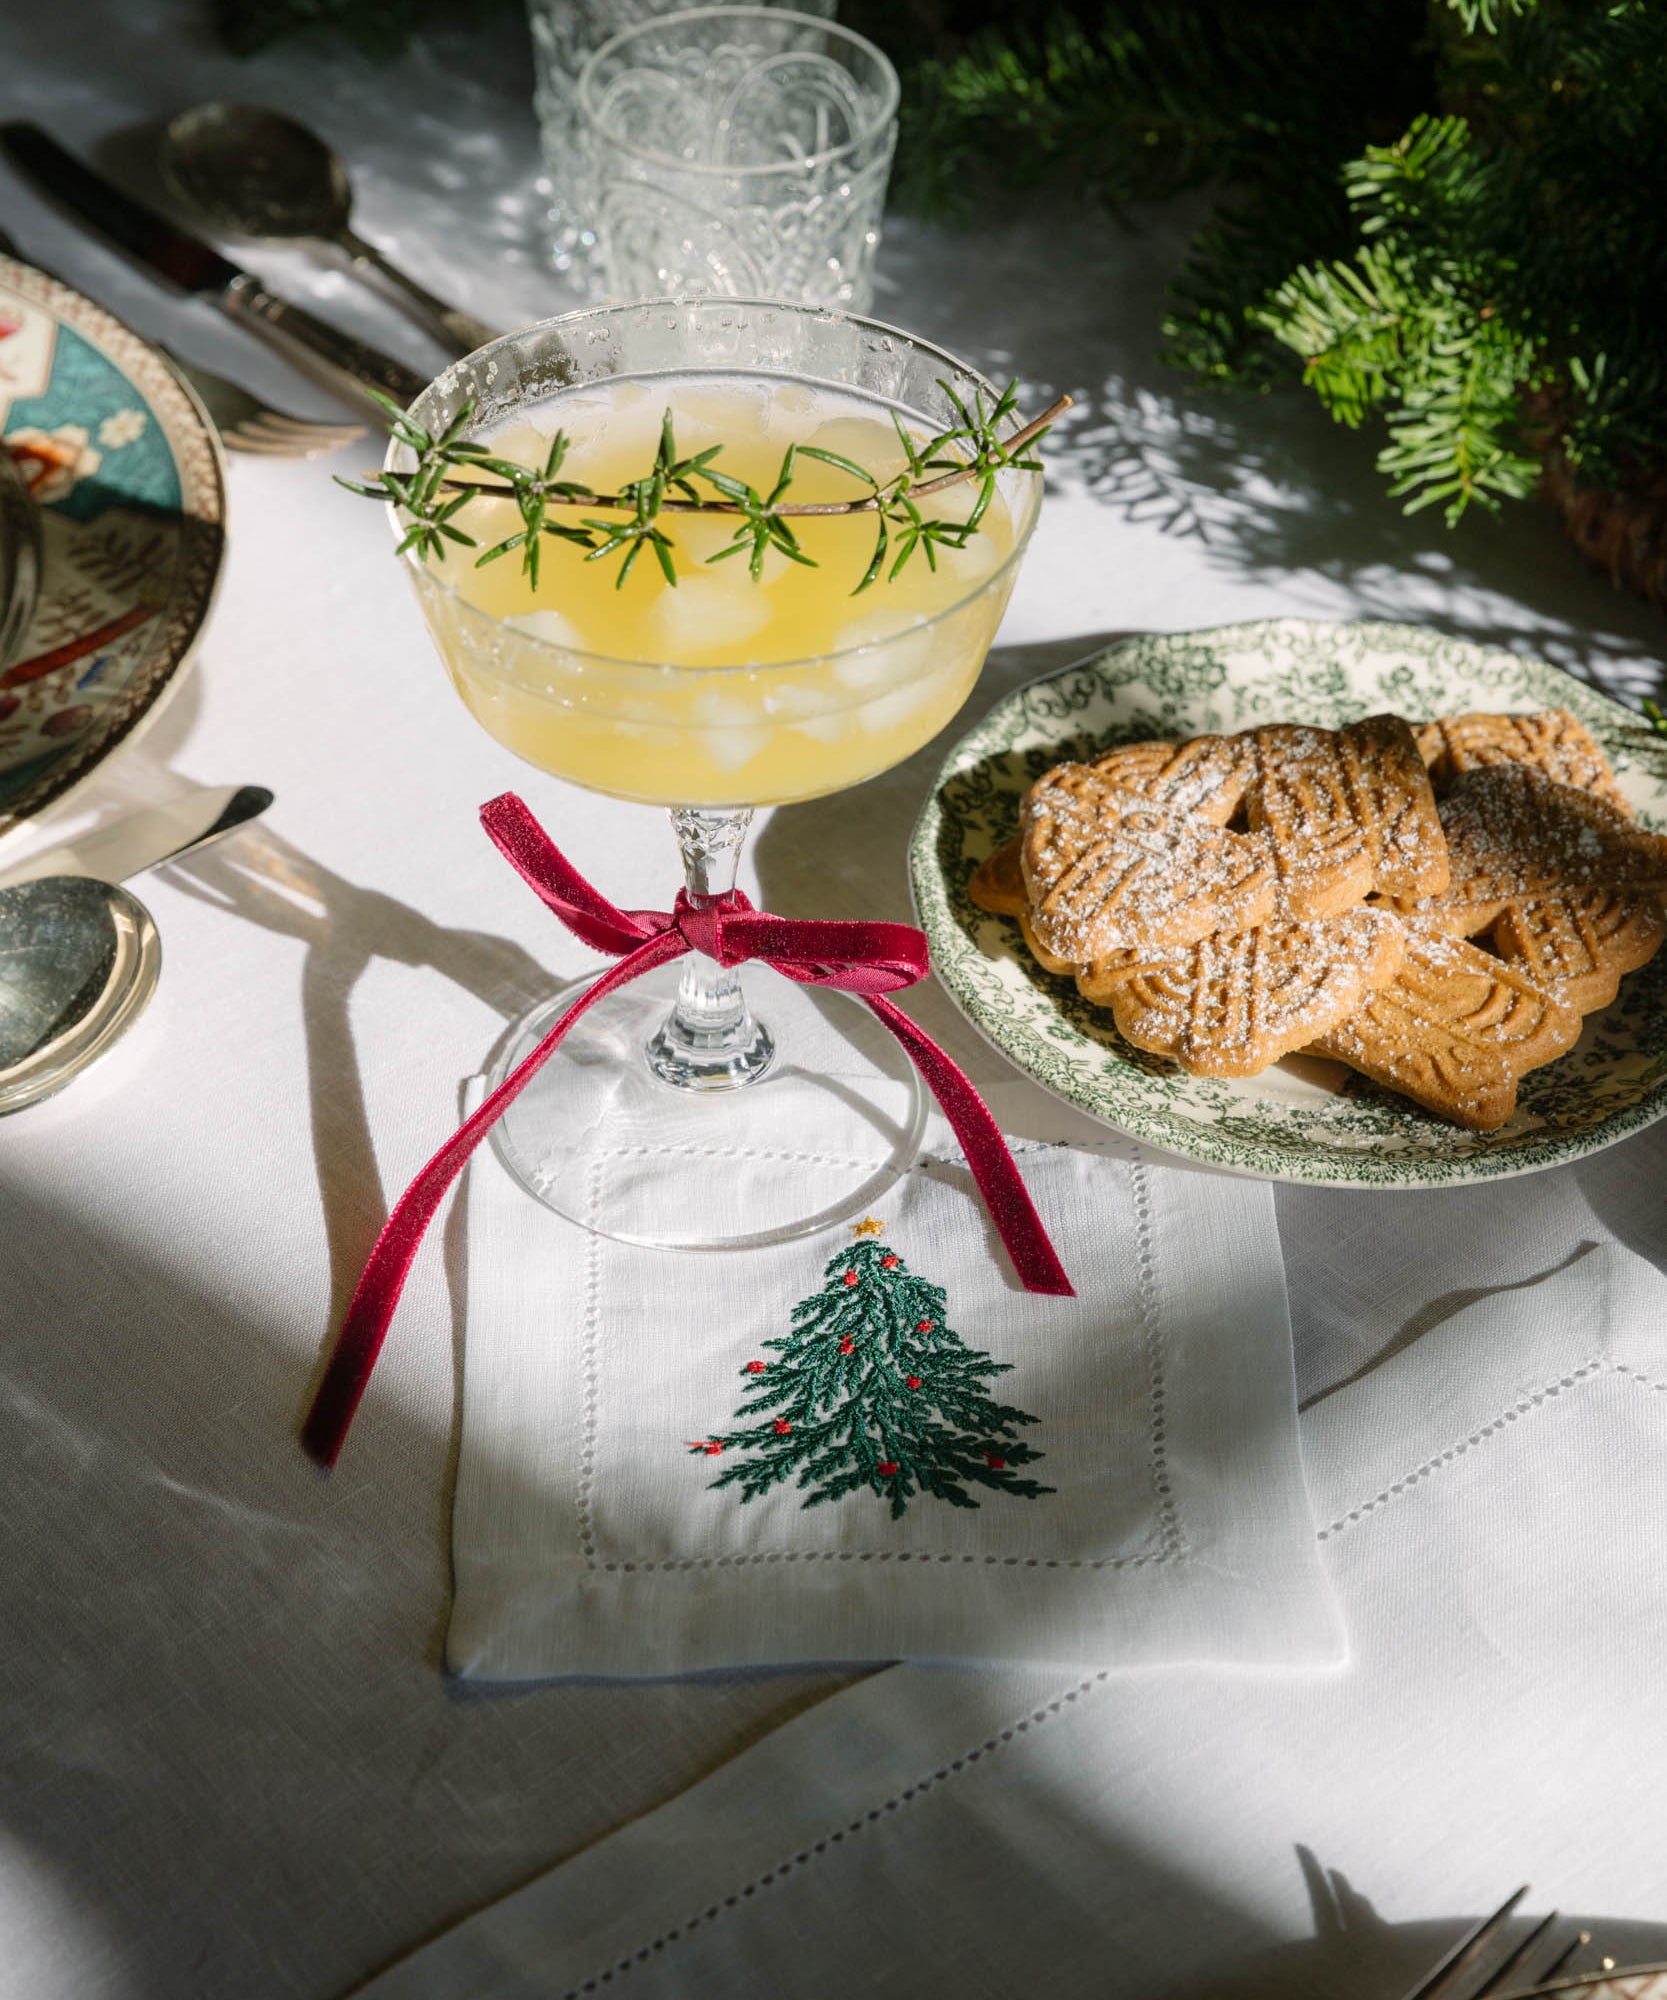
(147, 838)
(194, 266)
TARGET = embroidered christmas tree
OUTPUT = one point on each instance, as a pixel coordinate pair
(872, 1388)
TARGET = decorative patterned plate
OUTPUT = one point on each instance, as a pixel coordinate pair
(128, 478)
(1303, 1119)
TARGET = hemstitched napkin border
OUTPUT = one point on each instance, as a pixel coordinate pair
(576, 1545)
(1173, 1541)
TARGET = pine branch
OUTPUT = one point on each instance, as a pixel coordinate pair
(1412, 327)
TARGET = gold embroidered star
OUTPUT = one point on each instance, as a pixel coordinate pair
(868, 1226)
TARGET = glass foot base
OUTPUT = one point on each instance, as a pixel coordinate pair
(723, 1053)
(821, 1124)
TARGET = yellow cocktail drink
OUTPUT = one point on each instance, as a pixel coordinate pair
(722, 690)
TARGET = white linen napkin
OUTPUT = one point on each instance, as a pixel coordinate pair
(648, 1484)
(1489, 1505)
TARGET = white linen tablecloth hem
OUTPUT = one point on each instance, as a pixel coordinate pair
(657, 1625)
(1597, 1315)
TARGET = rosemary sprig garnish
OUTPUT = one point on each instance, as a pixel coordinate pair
(435, 492)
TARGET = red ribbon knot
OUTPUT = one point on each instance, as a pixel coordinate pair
(703, 927)
(869, 960)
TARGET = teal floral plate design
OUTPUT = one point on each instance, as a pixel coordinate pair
(129, 485)
(1303, 1119)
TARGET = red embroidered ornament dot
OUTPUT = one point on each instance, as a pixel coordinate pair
(887, 1467)
(924, 1325)
(889, 1263)
(850, 1277)
(782, 1427)
(755, 1367)
(911, 1381)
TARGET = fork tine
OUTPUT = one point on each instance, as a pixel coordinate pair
(245, 437)
(1464, 1954)
(257, 434)
(248, 424)
(299, 429)
(294, 435)
(308, 427)
(1495, 1981)
(1579, 1939)
(252, 439)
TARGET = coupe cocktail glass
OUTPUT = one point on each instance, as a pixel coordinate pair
(712, 699)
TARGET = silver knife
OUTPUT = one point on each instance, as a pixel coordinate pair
(195, 266)
(147, 838)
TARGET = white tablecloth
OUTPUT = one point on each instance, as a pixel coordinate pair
(229, 1763)
(1199, 1831)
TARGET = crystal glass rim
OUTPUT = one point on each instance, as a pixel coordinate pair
(892, 93)
(1022, 529)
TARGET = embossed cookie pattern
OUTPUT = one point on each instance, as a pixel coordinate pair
(1345, 812)
(1234, 1002)
(1208, 775)
(1455, 1031)
(1512, 833)
(1579, 945)
(1223, 950)
(1521, 877)
(1551, 741)
(1106, 870)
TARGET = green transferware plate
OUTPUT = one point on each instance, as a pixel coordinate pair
(1303, 1119)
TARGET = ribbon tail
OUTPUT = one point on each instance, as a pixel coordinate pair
(383, 1279)
(1005, 1194)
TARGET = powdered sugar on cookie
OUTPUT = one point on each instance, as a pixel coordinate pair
(1454, 1031)
(1106, 870)
(1224, 949)
(1233, 1003)
(1551, 741)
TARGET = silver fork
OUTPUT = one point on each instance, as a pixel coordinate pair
(244, 421)
(1450, 1979)
(248, 424)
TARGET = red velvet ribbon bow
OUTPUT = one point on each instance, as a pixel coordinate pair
(868, 959)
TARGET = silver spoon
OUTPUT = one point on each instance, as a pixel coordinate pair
(79, 960)
(255, 174)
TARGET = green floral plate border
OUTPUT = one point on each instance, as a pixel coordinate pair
(1302, 1120)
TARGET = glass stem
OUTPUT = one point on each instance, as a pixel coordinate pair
(709, 1041)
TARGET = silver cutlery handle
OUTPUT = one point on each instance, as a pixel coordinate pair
(461, 328)
(148, 837)
(356, 361)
